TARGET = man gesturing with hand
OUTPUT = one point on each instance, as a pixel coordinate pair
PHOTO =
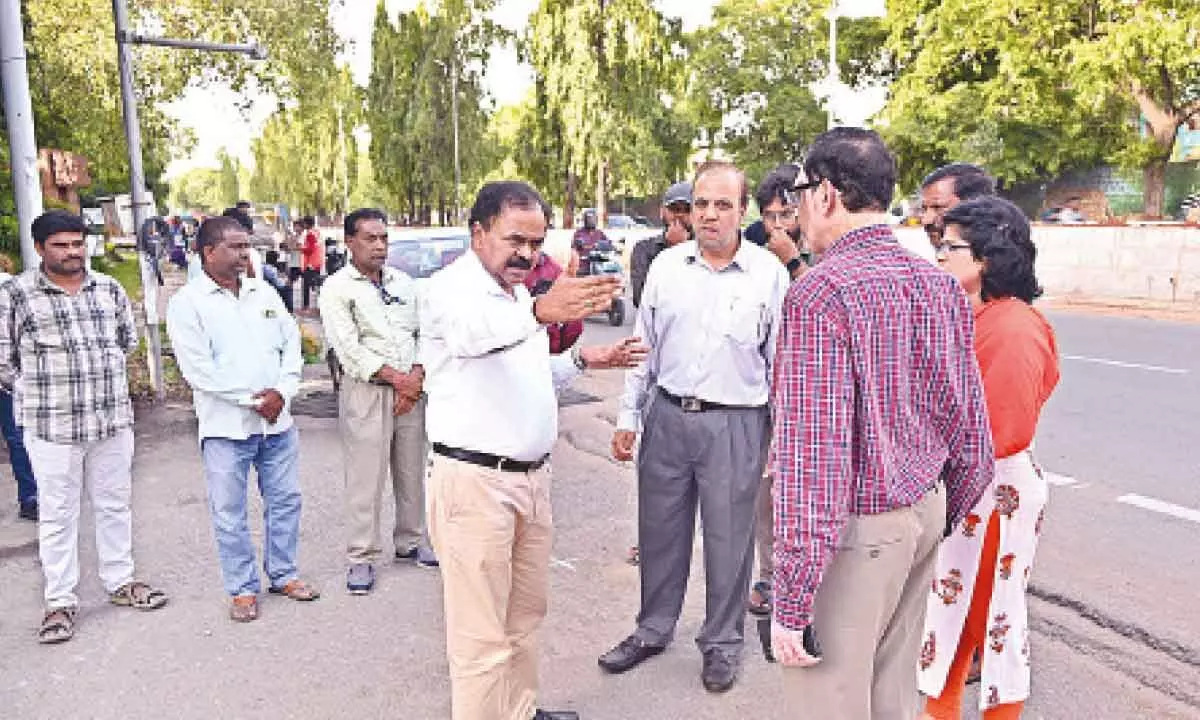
(493, 420)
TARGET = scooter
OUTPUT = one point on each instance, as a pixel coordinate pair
(604, 262)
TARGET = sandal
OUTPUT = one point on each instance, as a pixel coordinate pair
(634, 557)
(759, 602)
(139, 596)
(58, 626)
(244, 608)
(297, 589)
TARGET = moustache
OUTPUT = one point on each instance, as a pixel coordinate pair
(519, 263)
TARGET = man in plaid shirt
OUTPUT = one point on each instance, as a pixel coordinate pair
(64, 336)
(881, 441)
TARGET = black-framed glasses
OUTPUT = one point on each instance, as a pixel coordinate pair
(792, 196)
(948, 248)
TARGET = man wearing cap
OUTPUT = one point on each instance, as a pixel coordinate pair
(710, 316)
(676, 214)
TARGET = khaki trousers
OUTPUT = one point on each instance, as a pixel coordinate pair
(764, 529)
(869, 614)
(377, 444)
(492, 534)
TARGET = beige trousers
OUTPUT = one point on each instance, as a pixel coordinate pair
(764, 529)
(869, 615)
(492, 534)
(376, 445)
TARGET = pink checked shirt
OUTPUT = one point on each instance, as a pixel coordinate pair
(876, 394)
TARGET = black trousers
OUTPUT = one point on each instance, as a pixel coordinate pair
(311, 279)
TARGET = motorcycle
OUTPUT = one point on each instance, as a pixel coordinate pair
(605, 262)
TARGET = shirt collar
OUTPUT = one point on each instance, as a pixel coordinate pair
(44, 283)
(210, 286)
(387, 274)
(485, 279)
(742, 259)
(861, 237)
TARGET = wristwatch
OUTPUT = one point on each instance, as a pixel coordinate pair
(794, 264)
(577, 358)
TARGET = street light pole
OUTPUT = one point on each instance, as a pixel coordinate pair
(137, 179)
(22, 142)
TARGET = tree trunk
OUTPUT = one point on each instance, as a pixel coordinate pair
(569, 204)
(1154, 188)
(602, 194)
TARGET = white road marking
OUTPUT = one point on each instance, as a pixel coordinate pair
(555, 562)
(1059, 480)
(1158, 506)
(1129, 365)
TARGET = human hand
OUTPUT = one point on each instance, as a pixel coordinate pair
(627, 353)
(676, 233)
(270, 404)
(402, 404)
(410, 384)
(789, 649)
(622, 445)
(783, 246)
(574, 298)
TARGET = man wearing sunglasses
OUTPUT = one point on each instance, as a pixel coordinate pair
(370, 315)
(881, 441)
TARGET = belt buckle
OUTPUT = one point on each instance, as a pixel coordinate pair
(691, 404)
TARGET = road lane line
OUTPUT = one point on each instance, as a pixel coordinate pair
(1128, 365)
(1158, 506)
(1060, 480)
(555, 562)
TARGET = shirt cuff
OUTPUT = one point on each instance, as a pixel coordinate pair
(629, 420)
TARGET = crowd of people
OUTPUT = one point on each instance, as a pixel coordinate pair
(854, 416)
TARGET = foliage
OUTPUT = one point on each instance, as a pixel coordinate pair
(1030, 89)
(749, 75)
(606, 89)
(123, 268)
(197, 189)
(417, 63)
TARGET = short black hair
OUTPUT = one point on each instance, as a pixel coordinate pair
(271, 257)
(856, 162)
(709, 166)
(998, 233)
(53, 222)
(350, 226)
(212, 232)
(970, 181)
(242, 205)
(777, 185)
(308, 221)
(495, 197)
(242, 218)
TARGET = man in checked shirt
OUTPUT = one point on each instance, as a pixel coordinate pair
(881, 442)
(64, 336)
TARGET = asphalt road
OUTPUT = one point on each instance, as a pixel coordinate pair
(1115, 635)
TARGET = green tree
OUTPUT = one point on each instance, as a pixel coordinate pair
(1031, 89)
(606, 89)
(197, 189)
(227, 180)
(749, 74)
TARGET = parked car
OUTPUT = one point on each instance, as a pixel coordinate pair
(420, 252)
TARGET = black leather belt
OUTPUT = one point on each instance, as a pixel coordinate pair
(692, 404)
(487, 460)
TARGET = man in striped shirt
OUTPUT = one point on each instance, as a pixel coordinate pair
(881, 441)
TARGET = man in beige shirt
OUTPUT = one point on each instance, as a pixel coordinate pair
(370, 314)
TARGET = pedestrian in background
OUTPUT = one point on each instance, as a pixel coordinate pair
(370, 313)
(562, 335)
(493, 419)
(310, 261)
(978, 600)
(65, 335)
(710, 316)
(18, 456)
(239, 350)
(676, 215)
(881, 441)
(945, 188)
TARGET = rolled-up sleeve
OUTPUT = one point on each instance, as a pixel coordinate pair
(814, 415)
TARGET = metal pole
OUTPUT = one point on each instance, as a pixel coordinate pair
(137, 194)
(345, 167)
(22, 143)
(833, 64)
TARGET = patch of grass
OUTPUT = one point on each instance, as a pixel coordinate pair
(123, 267)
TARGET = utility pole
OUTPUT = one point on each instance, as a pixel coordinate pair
(137, 180)
(22, 143)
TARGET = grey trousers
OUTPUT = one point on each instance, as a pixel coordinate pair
(712, 459)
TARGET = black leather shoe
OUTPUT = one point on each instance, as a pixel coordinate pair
(628, 655)
(719, 672)
(555, 715)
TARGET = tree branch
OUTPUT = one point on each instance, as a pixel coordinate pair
(1163, 121)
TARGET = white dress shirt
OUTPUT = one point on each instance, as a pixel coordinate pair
(711, 333)
(488, 370)
(231, 346)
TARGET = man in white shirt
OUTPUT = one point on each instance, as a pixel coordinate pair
(239, 349)
(370, 315)
(710, 314)
(493, 419)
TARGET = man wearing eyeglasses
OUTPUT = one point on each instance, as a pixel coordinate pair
(370, 313)
(781, 233)
(881, 441)
(710, 314)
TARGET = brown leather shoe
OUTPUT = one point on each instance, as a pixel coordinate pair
(297, 589)
(244, 608)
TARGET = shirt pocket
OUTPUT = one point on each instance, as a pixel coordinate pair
(745, 321)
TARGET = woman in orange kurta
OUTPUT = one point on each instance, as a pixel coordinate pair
(977, 601)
